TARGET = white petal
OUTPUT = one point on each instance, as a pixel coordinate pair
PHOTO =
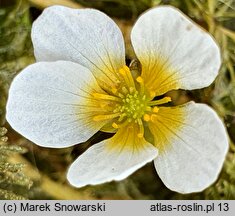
(174, 51)
(197, 150)
(85, 36)
(112, 159)
(49, 104)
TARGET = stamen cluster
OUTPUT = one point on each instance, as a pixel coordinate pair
(131, 103)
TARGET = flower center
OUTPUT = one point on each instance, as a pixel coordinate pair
(131, 102)
(133, 105)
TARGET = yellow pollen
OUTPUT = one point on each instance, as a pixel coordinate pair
(141, 82)
(119, 125)
(115, 125)
(122, 71)
(139, 79)
(140, 135)
(146, 117)
(155, 109)
(160, 101)
(168, 99)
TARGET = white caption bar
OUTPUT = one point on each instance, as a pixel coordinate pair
(117, 208)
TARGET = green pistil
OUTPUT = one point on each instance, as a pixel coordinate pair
(133, 106)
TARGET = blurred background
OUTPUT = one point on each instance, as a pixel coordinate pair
(31, 172)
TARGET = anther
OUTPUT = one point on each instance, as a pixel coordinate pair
(114, 125)
(122, 71)
(155, 109)
(139, 79)
(159, 102)
(146, 117)
(141, 82)
(119, 125)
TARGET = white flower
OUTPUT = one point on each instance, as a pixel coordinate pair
(81, 84)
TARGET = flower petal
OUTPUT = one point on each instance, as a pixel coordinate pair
(195, 146)
(84, 36)
(50, 104)
(174, 51)
(112, 159)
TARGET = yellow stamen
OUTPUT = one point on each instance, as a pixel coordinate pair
(123, 124)
(155, 109)
(115, 125)
(106, 97)
(126, 74)
(146, 117)
(139, 79)
(159, 102)
(141, 82)
(141, 128)
(105, 117)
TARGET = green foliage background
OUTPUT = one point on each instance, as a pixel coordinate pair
(30, 172)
